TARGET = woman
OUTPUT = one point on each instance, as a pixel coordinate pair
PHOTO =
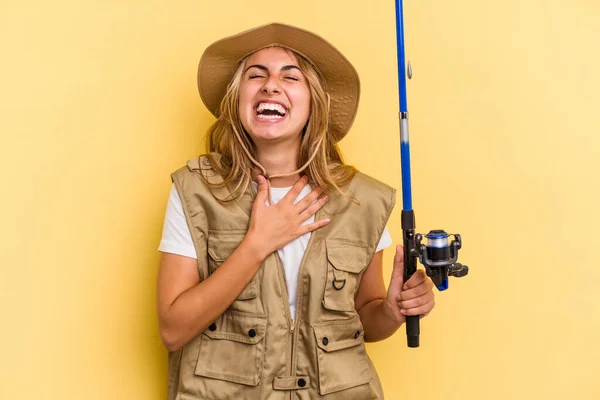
(271, 269)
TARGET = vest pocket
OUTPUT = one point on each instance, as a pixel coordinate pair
(232, 348)
(220, 246)
(341, 357)
(345, 261)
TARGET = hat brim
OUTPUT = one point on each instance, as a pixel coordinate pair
(220, 60)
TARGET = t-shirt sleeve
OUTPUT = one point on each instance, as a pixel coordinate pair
(385, 240)
(176, 237)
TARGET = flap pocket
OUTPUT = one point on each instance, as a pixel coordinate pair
(338, 335)
(220, 246)
(342, 357)
(345, 261)
(232, 348)
(347, 255)
(239, 327)
(222, 243)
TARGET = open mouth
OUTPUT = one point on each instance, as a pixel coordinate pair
(271, 111)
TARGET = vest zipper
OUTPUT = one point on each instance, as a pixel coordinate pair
(286, 305)
(299, 299)
(292, 369)
(286, 299)
(291, 322)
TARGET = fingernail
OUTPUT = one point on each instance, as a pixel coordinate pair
(403, 312)
(405, 287)
(326, 198)
(260, 179)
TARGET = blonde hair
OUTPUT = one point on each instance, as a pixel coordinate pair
(228, 137)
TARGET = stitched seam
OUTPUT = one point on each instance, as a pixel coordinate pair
(186, 210)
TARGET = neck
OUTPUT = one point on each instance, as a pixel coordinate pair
(279, 158)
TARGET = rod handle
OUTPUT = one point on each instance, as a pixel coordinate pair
(410, 267)
(412, 330)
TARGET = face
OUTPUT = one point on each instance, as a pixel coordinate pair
(274, 102)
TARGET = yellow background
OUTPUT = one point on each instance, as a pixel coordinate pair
(99, 104)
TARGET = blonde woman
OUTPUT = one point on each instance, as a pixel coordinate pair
(270, 280)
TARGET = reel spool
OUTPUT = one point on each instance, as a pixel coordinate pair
(439, 257)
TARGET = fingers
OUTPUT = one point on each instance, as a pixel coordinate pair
(399, 257)
(313, 208)
(415, 280)
(398, 268)
(423, 310)
(262, 191)
(295, 191)
(309, 199)
(419, 299)
(416, 302)
(314, 226)
(425, 285)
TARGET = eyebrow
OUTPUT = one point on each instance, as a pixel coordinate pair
(263, 68)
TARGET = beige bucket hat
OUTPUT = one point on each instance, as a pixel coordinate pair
(220, 60)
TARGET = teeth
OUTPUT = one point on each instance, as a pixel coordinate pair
(271, 116)
(271, 106)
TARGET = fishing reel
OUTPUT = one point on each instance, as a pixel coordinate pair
(439, 257)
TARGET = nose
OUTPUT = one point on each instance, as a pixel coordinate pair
(271, 86)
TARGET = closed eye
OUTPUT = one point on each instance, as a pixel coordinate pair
(292, 78)
(255, 76)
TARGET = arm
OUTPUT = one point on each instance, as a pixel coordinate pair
(383, 313)
(187, 306)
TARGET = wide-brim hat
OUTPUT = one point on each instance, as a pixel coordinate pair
(221, 59)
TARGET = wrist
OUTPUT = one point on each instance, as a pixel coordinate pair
(386, 308)
(254, 248)
(391, 310)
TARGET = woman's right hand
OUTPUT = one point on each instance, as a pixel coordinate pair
(274, 226)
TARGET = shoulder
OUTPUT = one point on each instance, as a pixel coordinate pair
(202, 165)
(364, 186)
(372, 193)
(362, 179)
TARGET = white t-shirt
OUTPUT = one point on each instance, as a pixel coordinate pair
(177, 239)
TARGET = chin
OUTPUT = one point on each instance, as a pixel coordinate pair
(262, 135)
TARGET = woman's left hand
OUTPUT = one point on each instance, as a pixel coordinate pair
(415, 297)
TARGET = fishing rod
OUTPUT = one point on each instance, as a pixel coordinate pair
(439, 256)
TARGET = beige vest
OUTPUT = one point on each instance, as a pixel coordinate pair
(254, 350)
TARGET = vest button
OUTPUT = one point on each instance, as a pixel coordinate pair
(357, 334)
(325, 341)
(252, 332)
(301, 382)
(212, 327)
